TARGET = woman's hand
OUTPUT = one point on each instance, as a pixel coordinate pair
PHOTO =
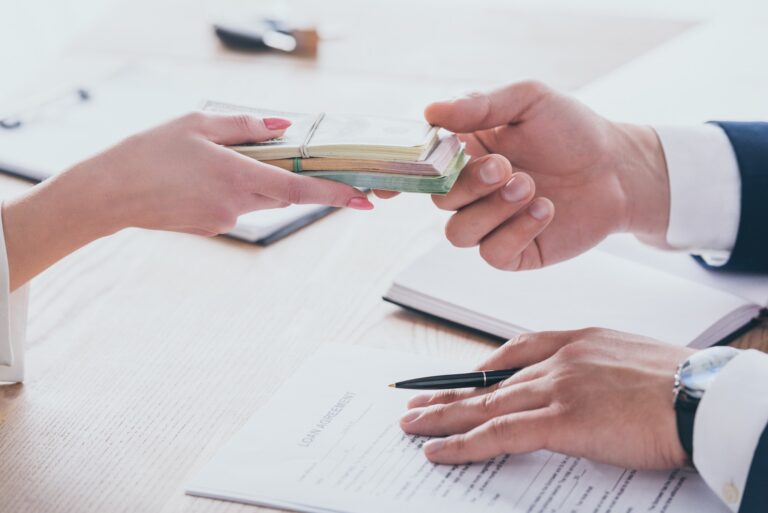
(595, 393)
(549, 178)
(178, 176)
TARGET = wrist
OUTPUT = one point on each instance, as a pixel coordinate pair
(64, 212)
(693, 378)
(87, 196)
(642, 172)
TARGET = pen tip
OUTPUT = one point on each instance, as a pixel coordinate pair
(392, 385)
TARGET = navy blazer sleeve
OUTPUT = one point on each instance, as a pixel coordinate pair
(750, 254)
(755, 496)
(750, 144)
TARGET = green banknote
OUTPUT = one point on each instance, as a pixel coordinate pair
(401, 183)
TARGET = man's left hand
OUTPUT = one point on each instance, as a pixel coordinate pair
(594, 393)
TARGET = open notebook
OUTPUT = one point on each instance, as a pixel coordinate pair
(622, 286)
(58, 130)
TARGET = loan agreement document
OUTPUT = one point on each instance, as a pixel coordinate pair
(329, 441)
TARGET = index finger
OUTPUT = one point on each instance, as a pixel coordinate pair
(527, 349)
(481, 177)
(481, 111)
(290, 187)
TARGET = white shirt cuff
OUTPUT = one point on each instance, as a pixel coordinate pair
(13, 322)
(729, 422)
(705, 190)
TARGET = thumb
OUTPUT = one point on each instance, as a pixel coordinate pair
(240, 128)
(481, 111)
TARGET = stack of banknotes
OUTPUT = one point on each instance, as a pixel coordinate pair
(368, 152)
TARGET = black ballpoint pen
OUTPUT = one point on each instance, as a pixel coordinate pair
(466, 380)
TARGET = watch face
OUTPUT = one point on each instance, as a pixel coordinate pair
(698, 372)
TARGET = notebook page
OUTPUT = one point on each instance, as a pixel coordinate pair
(594, 289)
(329, 441)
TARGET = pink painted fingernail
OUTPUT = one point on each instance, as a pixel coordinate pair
(434, 446)
(360, 204)
(410, 416)
(516, 189)
(540, 209)
(277, 123)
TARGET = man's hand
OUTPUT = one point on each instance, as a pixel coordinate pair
(575, 177)
(595, 393)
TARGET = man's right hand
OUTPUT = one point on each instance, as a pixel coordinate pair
(575, 177)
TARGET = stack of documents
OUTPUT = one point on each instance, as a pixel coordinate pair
(369, 152)
(329, 441)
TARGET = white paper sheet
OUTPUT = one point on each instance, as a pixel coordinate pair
(329, 441)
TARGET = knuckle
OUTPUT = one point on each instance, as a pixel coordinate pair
(521, 340)
(227, 225)
(499, 429)
(490, 402)
(557, 384)
(496, 258)
(445, 396)
(516, 345)
(295, 192)
(194, 119)
(442, 202)
(245, 123)
(456, 234)
(484, 101)
(559, 409)
(224, 219)
(436, 412)
(534, 87)
(575, 350)
(458, 443)
(590, 333)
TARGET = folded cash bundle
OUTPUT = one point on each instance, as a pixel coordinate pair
(370, 152)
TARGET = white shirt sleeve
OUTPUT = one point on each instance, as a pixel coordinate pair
(705, 190)
(729, 422)
(13, 322)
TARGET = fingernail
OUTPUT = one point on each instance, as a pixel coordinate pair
(410, 416)
(276, 123)
(516, 189)
(420, 400)
(434, 446)
(360, 204)
(540, 209)
(491, 172)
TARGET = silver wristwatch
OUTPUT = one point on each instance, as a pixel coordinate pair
(692, 379)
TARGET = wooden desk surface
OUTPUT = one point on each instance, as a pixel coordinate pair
(148, 350)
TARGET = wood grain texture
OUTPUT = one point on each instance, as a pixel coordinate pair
(148, 350)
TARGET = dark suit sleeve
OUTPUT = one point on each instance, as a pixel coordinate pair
(755, 498)
(750, 144)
